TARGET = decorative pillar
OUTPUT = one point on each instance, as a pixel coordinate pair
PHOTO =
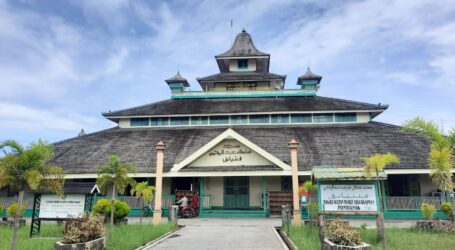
(297, 217)
(158, 182)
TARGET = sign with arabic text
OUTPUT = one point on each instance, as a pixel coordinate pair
(348, 197)
(231, 152)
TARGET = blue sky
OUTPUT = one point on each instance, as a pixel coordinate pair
(62, 63)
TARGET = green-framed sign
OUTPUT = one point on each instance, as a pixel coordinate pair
(348, 196)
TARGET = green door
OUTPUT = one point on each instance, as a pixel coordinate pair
(236, 192)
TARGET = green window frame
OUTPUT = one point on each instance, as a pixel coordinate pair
(345, 117)
(255, 119)
(239, 119)
(280, 118)
(301, 118)
(320, 118)
(136, 122)
(179, 121)
(159, 121)
(199, 120)
(219, 119)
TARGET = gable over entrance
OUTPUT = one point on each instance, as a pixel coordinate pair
(230, 152)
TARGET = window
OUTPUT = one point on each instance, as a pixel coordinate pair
(180, 121)
(199, 120)
(322, 117)
(345, 117)
(219, 119)
(286, 183)
(159, 121)
(239, 119)
(139, 122)
(259, 119)
(301, 118)
(281, 118)
(242, 64)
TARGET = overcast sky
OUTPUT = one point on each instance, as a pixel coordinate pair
(62, 63)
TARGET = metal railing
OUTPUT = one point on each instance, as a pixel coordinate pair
(411, 203)
(7, 201)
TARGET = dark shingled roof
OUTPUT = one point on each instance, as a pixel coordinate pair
(309, 75)
(244, 105)
(322, 145)
(243, 46)
(240, 77)
(177, 79)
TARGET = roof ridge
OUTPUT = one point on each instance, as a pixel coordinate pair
(356, 102)
(107, 114)
(86, 135)
(386, 124)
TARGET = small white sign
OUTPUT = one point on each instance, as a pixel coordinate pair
(54, 206)
(348, 197)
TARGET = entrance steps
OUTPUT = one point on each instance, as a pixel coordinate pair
(218, 213)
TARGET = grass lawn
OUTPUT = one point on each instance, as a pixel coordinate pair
(307, 238)
(124, 236)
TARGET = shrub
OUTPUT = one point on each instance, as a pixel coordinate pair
(427, 210)
(13, 210)
(446, 208)
(103, 207)
(87, 228)
(340, 233)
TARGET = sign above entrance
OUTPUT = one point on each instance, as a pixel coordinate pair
(348, 197)
(230, 152)
(54, 206)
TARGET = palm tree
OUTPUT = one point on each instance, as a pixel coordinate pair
(441, 157)
(373, 166)
(114, 175)
(144, 193)
(22, 168)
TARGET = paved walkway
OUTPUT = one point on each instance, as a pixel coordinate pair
(213, 233)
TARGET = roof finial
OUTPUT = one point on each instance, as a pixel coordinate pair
(82, 133)
(243, 30)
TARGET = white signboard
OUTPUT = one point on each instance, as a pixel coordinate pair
(53, 206)
(348, 197)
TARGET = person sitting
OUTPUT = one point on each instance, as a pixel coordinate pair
(183, 201)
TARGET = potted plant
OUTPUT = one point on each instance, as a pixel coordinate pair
(121, 209)
(86, 233)
(339, 235)
(427, 211)
(13, 212)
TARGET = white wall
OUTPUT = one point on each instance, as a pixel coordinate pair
(124, 123)
(214, 187)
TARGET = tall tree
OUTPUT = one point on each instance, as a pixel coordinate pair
(144, 193)
(115, 176)
(373, 166)
(29, 167)
(441, 156)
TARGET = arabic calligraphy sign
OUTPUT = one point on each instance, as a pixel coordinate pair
(348, 197)
(231, 152)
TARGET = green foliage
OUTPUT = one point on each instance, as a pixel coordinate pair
(29, 167)
(144, 191)
(340, 233)
(115, 173)
(446, 208)
(309, 186)
(314, 210)
(87, 228)
(441, 156)
(103, 207)
(427, 210)
(13, 210)
(377, 162)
